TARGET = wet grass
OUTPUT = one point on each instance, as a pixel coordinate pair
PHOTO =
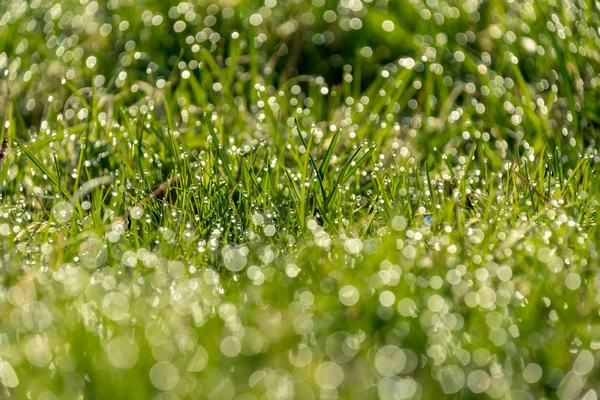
(308, 199)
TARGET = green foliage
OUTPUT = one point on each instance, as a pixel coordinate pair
(299, 199)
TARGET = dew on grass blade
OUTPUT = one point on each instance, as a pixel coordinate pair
(584, 363)
(301, 356)
(252, 342)
(329, 374)
(292, 270)
(129, 259)
(407, 307)
(62, 211)
(164, 376)
(388, 26)
(36, 316)
(115, 306)
(336, 347)
(231, 346)
(590, 395)
(390, 360)
(353, 246)
(38, 352)
(198, 359)
(234, 258)
(387, 298)
(451, 379)
(216, 385)
(8, 376)
(435, 303)
(136, 212)
(93, 252)
(123, 352)
(570, 386)
(478, 381)
(349, 295)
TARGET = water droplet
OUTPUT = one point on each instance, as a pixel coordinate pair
(451, 378)
(584, 363)
(123, 352)
(8, 376)
(36, 316)
(329, 375)
(390, 360)
(349, 295)
(115, 306)
(353, 246)
(37, 351)
(136, 212)
(62, 211)
(478, 381)
(164, 376)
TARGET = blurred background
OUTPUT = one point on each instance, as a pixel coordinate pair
(545, 54)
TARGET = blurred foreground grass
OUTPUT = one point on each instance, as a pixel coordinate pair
(299, 199)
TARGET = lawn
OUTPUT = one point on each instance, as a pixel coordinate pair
(308, 199)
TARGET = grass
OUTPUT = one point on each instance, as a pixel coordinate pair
(256, 200)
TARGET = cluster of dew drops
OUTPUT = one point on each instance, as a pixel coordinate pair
(452, 313)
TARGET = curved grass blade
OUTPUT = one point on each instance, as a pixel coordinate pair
(219, 150)
(40, 165)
